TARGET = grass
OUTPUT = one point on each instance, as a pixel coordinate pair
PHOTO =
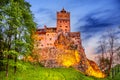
(30, 72)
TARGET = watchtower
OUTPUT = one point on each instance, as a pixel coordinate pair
(63, 21)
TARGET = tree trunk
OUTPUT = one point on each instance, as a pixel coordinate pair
(8, 56)
(110, 65)
(7, 66)
(15, 67)
(15, 60)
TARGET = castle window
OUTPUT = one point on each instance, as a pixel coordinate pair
(66, 30)
(60, 26)
(47, 34)
(37, 45)
(66, 26)
(50, 38)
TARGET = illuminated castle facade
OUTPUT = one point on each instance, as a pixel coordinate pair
(48, 35)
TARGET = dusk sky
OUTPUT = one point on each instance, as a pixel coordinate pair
(91, 17)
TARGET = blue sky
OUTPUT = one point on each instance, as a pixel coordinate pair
(91, 17)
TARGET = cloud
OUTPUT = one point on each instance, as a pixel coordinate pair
(45, 16)
(117, 2)
(95, 24)
(98, 22)
(90, 46)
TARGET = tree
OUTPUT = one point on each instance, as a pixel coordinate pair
(102, 59)
(2, 43)
(117, 55)
(18, 27)
(109, 48)
(112, 46)
(1, 51)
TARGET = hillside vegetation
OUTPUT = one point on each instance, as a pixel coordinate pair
(37, 72)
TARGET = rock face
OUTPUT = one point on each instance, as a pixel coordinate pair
(66, 54)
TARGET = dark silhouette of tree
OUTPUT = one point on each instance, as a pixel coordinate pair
(108, 47)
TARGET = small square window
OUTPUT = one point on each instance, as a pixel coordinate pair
(66, 30)
(50, 38)
(37, 45)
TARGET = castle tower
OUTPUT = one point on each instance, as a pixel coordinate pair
(63, 21)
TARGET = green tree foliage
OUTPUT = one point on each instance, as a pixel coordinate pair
(17, 27)
(1, 46)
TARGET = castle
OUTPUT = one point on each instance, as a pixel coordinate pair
(48, 35)
(59, 47)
